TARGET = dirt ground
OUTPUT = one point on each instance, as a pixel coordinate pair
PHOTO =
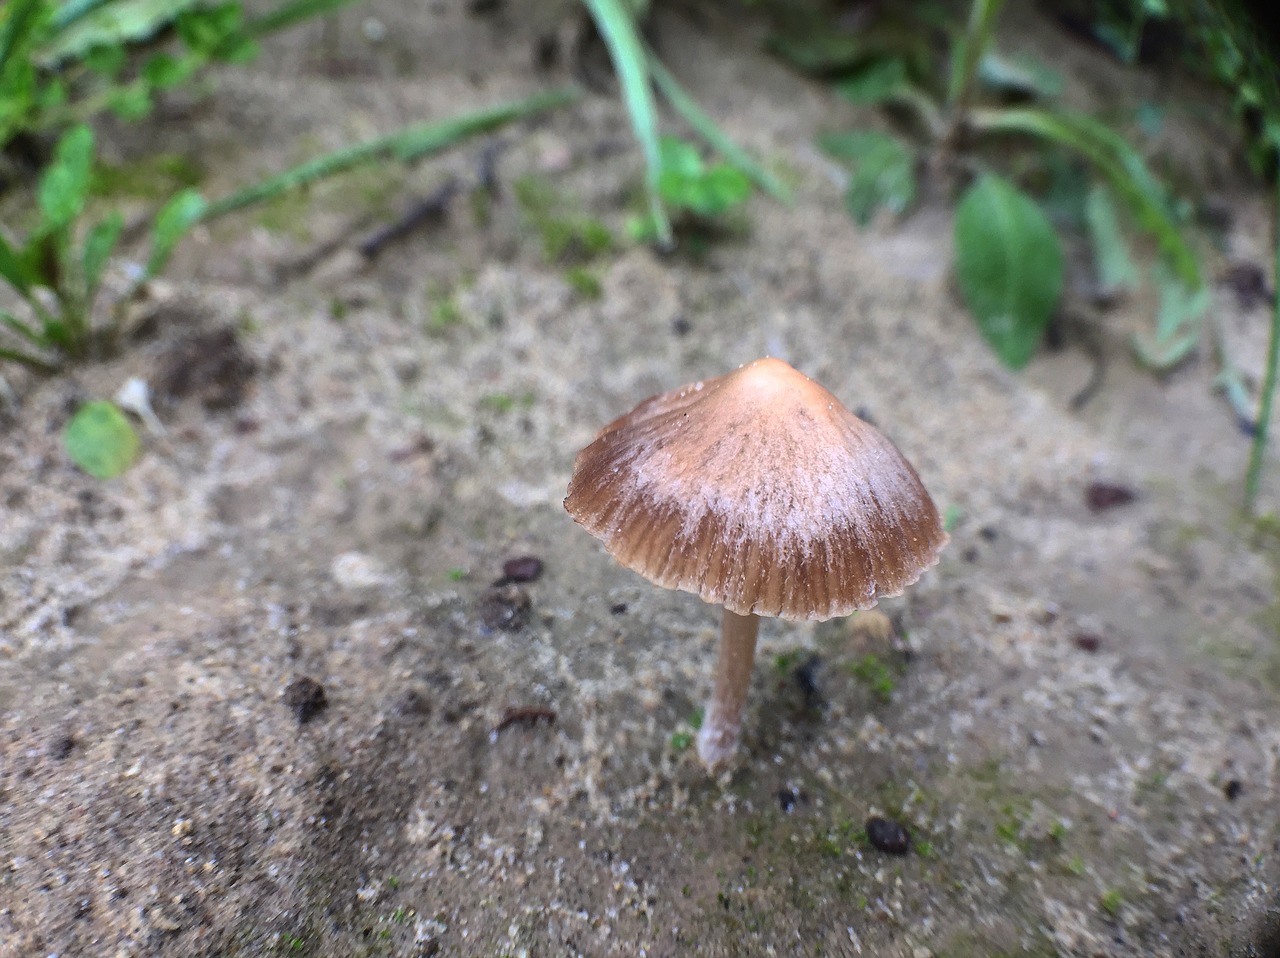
(261, 696)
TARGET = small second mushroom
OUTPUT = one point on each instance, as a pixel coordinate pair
(760, 492)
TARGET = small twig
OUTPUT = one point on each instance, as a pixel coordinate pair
(524, 715)
(1097, 373)
(430, 209)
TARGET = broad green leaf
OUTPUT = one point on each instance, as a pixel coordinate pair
(115, 24)
(686, 182)
(205, 29)
(1112, 262)
(164, 71)
(131, 102)
(878, 83)
(65, 183)
(172, 222)
(1022, 75)
(679, 158)
(723, 187)
(100, 440)
(1119, 162)
(98, 246)
(107, 60)
(1009, 266)
(883, 172)
(12, 269)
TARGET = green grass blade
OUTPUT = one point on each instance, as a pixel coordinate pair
(291, 13)
(1113, 265)
(716, 138)
(1115, 159)
(12, 270)
(407, 144)
(98, 246)
(618, 28)
(1258, 450)
(968, 50)
(22, 329)
(26, 359)
(177, 216)
(17, 27)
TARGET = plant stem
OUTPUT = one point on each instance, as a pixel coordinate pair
(688, 108)
(722, 723)
(1257, 452)
(27, 360)
(966, 56)
(408, 144)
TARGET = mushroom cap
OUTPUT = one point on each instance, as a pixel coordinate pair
(760, 492)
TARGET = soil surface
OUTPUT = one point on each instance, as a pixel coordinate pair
(271, 693)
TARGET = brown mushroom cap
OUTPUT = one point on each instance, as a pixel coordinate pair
(760, 492)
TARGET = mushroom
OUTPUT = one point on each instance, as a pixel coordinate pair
(761, 493)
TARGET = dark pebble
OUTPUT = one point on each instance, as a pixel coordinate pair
(681, 326)
(618, 608)
(61, 747)
(1249, 281)
(505, 607)
(412, 704)
(1099, 496)
(1233, 789)
(211, 366)
(990, 533)
(806, 676)
(522, 569)
(306, 697)
(889, 837)
(1087, 641)
(790, 797)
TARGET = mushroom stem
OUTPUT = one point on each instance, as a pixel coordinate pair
(722, 723)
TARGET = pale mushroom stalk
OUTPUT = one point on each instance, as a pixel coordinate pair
(722, 721)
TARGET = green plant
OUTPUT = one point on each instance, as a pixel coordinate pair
(638, 70)
(1009, 261)
(100, 440)
(58, 269)
(1110, 901)
(876, 674)
(63, 63)
(689, 186)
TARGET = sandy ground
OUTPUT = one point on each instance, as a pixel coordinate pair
(1078, 720)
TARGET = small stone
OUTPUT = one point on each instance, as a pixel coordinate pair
(505, 607)
(355, 570)
(889, 837)
(60, 747)
(1233, 789)
(306, 697)
(1087, 641)
(790, 797)
(210, 366)
(1100, 496)
(522, 569)
(618, 608)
